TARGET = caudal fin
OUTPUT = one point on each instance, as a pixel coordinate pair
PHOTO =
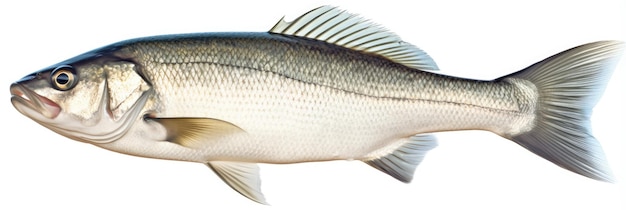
(569, 85)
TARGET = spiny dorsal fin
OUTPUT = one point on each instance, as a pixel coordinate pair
(242, 177)
(401, 163)
(195, 132)
(335, 26)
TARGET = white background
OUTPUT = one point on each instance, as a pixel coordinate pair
(469, 170)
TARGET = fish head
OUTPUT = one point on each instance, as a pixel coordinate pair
(93, 98)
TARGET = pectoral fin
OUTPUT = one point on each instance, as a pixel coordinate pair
(196, 132)
(401, 163)
(242, 177)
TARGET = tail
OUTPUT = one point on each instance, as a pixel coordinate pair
(569, 85)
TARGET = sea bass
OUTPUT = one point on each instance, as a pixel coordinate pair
(329, 85)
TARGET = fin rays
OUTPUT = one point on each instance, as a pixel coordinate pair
(401, 163)
(242, 177)
(569, 85)
(196, 132)
(338, 27)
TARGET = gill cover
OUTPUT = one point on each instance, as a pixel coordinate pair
(124, 95)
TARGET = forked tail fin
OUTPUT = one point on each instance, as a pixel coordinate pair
(569, 85)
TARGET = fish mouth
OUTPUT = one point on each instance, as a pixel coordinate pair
(26, 102)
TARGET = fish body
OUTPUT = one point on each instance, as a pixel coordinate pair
(327, 86)
(316, 106)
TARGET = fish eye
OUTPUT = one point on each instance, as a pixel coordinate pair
(63, 78)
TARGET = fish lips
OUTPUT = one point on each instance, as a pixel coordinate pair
(31, 104)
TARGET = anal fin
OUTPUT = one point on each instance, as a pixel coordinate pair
(401, 162)
(242, 177)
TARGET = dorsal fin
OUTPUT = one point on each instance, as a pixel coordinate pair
(335, 26)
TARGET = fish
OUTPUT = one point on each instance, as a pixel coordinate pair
(329, 85)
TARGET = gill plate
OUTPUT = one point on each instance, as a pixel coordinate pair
(105, 127)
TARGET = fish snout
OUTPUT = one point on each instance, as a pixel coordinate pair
(27, 102)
